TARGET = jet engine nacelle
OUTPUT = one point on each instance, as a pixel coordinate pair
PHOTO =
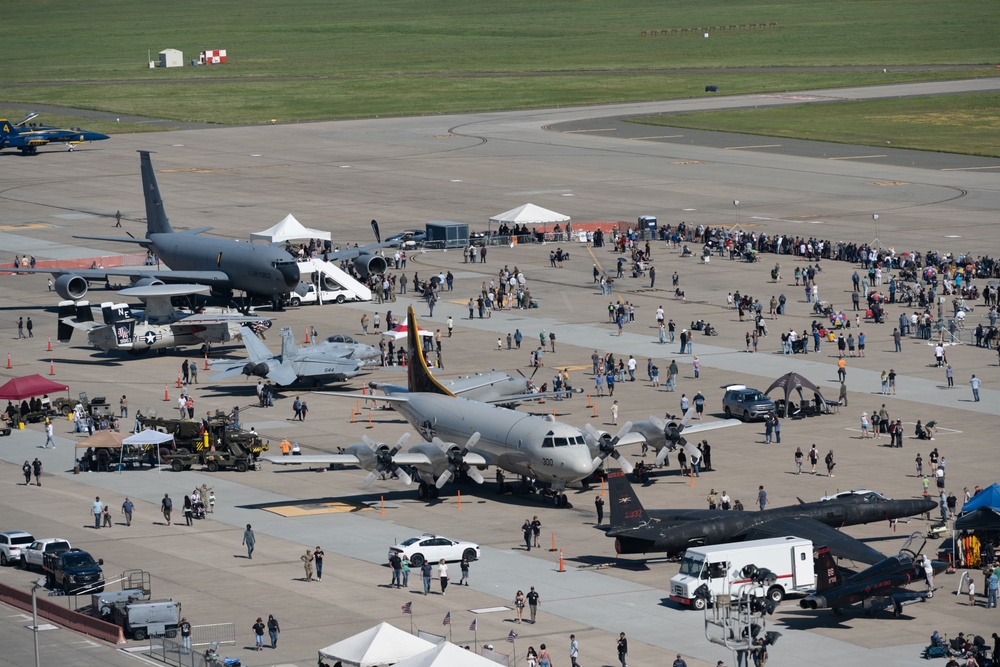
(70, 286)
(366, 265)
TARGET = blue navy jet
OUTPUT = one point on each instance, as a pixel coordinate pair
(27, 138)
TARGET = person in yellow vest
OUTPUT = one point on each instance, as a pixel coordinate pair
(286, 447)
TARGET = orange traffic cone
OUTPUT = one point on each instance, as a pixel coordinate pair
(307, 334)
(52, 367)
(178, 379)
(206, 362)
(166, 393)
(562, 565)
(8, 360)
(50, 344)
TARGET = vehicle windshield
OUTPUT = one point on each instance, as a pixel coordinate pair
(752, 396)
(691, 567)
(78, 560)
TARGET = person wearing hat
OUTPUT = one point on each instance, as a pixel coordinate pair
(865, 426)
(273, 629)
(258, 629)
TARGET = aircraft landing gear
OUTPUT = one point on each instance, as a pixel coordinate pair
(427, 491)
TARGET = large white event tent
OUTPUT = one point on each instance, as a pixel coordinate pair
(529, 214)
(384, 644)
(290, 229)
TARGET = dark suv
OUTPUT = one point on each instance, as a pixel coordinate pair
(745, 403)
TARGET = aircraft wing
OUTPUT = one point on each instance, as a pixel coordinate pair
(710, 426)
(839, 544)
(283, 374)
(403, 458)
(352, 253)
(227, 369)
(201, 277)
(514, 398)
(207, 319)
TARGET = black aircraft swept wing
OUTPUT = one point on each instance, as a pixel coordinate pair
(637, 530)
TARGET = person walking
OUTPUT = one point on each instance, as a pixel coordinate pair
(185, 629)
(526, 530)
(533, 601)
(614, 413)
(49, 440)
(599, 505)
(830, 463)
(813, 458)
(249, 540)
(272, 630)
(622, 649)
(974, 383)
(188, 511)
(258, 630)
(464, 581)
(307, 564)
(106, 516)
(26, 471)
(761, 498)
(127, 508)
(799, 459)
(425, 573)
(36, 467)
(574, 646)
(396, 565)
(519, 605)
(405, 570)
(949, 375)
(318, 560)
(443, 575)
(96, 508)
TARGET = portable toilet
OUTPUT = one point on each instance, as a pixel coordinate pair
(171, 58)
(647, 226)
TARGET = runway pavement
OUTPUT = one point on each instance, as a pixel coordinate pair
(402, 172)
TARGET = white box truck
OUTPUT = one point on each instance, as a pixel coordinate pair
(720, 569)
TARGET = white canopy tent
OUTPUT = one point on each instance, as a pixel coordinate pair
(149, 437)
(447, 654)
(529, 214)
(382, 645)
(290, 229)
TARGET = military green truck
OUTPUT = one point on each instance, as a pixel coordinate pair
(96, 407)
(223, 445)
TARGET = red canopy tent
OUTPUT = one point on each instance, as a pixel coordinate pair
(29, 386)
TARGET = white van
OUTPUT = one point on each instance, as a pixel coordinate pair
(720, 569)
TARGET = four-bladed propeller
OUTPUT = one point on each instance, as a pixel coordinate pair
(384, 460)
(456, 460)
(672, 434)
(606, 446)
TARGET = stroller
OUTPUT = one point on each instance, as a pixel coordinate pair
(198, 510)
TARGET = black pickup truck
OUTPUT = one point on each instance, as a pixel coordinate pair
(74, 571)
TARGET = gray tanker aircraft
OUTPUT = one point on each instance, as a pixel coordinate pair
(225, 265)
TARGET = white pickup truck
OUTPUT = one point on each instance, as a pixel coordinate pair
(35, 552)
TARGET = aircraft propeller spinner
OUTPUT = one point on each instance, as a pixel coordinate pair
(384, 460)
(456, 460)
(607, 446)
(672, 434)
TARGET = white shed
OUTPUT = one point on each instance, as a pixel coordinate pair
(171, 58)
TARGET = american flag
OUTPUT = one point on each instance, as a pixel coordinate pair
(475, 624)
(512, 636)
(408, 608)
(447, 619)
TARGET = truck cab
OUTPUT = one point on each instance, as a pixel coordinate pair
(74, 571)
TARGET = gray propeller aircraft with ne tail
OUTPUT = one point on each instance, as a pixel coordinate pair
(227, 266)
(336, 359)
(465, 436)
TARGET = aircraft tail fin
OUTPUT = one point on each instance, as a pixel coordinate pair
(67, 311)
(156, 214)
(288, 346)
(124, 333)
(626, 510)
(256, 350)
(5, 131)
(418, 376)
(827, 574)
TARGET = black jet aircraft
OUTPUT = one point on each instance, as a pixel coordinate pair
(639, 531)
(877, 587)
(225, 265)
(27, 138)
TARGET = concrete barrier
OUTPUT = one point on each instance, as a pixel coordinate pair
(74, 620)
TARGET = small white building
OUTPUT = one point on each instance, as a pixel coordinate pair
(171, 58)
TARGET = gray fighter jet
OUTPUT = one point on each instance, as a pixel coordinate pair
(337, 359)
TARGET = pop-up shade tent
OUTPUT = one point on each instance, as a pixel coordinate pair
(290, 229)
(382, 645)
(790, 382)
(447, 654)
(29, 386)
(529, 214)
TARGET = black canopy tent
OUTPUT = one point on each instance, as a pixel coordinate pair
(794, 382)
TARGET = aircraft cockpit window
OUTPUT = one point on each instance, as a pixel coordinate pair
(349, 340)
(561, 442)
(547, 442)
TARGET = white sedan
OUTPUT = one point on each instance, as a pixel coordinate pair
(432, 548)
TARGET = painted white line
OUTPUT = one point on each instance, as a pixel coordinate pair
(857, 157)
(740, 148)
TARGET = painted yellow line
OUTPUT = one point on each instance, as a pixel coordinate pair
(30, 225)
(856, 157)
(309, 509)
(739, 148)
(968, 168)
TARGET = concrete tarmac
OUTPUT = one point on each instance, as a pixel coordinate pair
(337, 176)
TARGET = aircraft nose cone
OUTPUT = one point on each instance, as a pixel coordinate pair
(290, 273)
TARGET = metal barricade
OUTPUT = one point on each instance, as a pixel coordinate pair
(203, 635)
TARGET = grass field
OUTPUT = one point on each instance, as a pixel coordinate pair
(313, 59)
(956, 124)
